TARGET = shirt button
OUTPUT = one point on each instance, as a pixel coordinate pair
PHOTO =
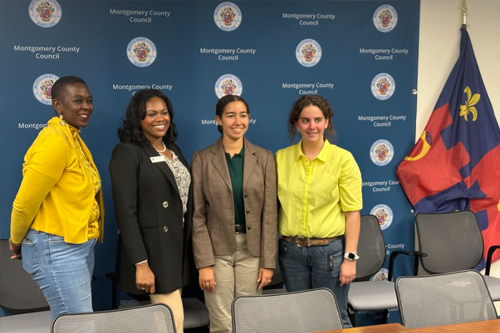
(165, 229)
(248, 211)
(165, 204)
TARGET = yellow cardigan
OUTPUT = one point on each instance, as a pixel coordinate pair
(56, 195)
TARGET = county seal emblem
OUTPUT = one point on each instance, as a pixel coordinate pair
(228, 84)
(227, 16)
(383, 86)
(384, 215)
(385, 18)
(141, 52)
(308, 52)
(45, 14)
(381, 152)
(42, 88)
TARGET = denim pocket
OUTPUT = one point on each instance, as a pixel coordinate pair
(332, 256)
(283, 246)
(31, 259)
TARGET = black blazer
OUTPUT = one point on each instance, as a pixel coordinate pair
(148, 212)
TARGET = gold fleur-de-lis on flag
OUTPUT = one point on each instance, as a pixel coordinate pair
(469, 105)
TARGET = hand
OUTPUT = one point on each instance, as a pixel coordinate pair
(347, 272)
(144, 278)
(207, 279)
(15, 249)
(265, 276)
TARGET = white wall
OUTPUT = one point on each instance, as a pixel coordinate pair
(440, 22)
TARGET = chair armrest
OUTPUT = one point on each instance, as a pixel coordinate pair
(490, 256)
(394, 254)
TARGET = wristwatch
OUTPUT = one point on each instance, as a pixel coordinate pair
(351, 256)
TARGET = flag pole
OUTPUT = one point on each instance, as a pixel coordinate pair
(464, 15)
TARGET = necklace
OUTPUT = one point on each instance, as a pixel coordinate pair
(164, 148)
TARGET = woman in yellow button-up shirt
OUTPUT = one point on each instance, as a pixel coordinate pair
(58, 212)
(319, 190)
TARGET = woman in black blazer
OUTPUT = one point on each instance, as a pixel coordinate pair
(151, 192)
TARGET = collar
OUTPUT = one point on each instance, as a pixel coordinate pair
(322, 156)
(59, 122)
(240, 154)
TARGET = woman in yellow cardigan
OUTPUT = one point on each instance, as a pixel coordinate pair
(58, 212)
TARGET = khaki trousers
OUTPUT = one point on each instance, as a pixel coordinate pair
(235, 275)
(174, 302)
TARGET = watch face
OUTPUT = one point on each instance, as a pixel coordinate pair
(351, 256)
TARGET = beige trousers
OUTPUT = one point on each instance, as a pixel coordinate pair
(235, 275)
(174, 302)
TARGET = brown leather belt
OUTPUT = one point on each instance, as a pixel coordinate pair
(304, 241)
(240, 229)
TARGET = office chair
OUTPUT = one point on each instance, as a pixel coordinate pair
(18, 292)
(302, 311)
(443, 299)
(373, 295)
(148, 318)
(454, 242)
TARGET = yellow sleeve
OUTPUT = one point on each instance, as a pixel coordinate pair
(45, 163)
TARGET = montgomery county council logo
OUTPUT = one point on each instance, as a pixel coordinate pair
(385, 18)
(141, 52)
(227, 16)
(383, 214)
(381, 275)
(308, 53)
(228, 84)
(383, 86)
(381, 152)
(45, 14)
(42, 88)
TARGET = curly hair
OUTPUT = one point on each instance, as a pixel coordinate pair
(307, 100)
(223, 102)
(131, 128)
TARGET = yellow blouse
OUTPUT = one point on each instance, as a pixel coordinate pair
(59, 194)
(314, 195)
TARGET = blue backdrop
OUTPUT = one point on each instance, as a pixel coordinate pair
(360, 55)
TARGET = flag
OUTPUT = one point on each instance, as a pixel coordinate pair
(455, 164)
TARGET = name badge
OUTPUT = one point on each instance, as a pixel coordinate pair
(157, 159)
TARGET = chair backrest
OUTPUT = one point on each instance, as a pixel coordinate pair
(147, 318)
(302, 311)
(443, 299)
(452, 241)
(18, 292)
(371, 248)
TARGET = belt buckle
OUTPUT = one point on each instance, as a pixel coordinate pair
(297, 238)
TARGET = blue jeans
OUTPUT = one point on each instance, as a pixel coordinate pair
(305, 268)
(62, 270)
